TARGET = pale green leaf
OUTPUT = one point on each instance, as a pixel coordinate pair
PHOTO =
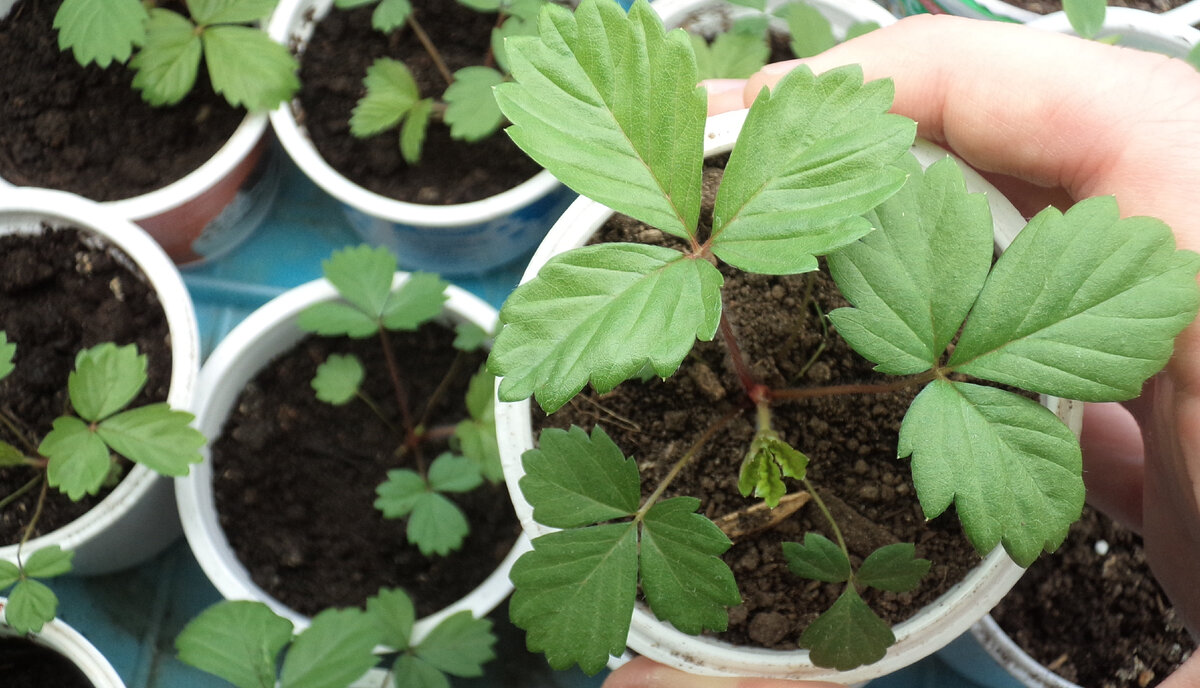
(752, 4)
(394, 616)
(1193, 56)
(167, 65)
(812, 157)
(100, 31)
(332, 319)
(1086, 16)
(249, 68)
(436, 525)
(399, 494)
(477, 441)
(9, 573)
(460, 645)
(512, 26)
(105, 379)
(79, 460)
(471, 110)
(732, 55)
(894, 568)
(818, 558)
(1010, 467)
(760, 477)
(230, 11)
(351, 4)
(7, 351)
(338, 379)
(574, 480)
(30, 606)
(468, 337)
(847, 635)
(482, 5)
(11, 456)
(450, 473)
(811, 31)
(238, 641)
(914, 280)
(575, 592)
(521, 9)
(1083, 306)
(414, 672)
(416, 302)
(412, 132)
(390, 14)
(333, 652)
(391, 92)
(155, 436)
(601, 314)
(362, 275)
(49, 562)
(610, 105)
(860, 29)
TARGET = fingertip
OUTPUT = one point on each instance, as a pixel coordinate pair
(724, 95)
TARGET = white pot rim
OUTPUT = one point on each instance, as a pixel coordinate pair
(66, 641)
(1015, 660)
(841, 13)
(1160, 32)
(236, 359)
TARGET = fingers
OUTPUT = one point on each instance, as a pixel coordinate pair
(643, 673)
(1113, 468)
(724, 95)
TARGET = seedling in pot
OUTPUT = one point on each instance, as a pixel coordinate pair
(79, 457)
(166, 48)
(1082, 305)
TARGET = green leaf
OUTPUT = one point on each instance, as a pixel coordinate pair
(573, 480)
(249, 68)
(1083, 306)
(436, 525)
(683, 576)
(847, 635)
(813, 156)
(167, 65)
(390, 14)
(575, 592)
(105, 379)
(811, 31)
(413, 672)
(30, 606)
(362, 275)
(79, 460)
(391, 92)
(237, 641)
(913, 282)
(482, 5)
(11, 456)
(412, 133)
(416, 302)
(351, 4)
(468, 337)
(334, 651)
(476, 436)
(471, 110)
(817, 559)
(460, 645)
(588, 79)
(338, 379)
(156, 436)
(768, 458)
(732, 55)
(480, 398)
(49, 562)
(333, 319)
(100, 31)
(894, 568)
(394, 616)
(602, 313)
(860, 29)
(230, 11)
(399, 494)
(752, 4)
(1086, 16)
(1193, 56)
(1011, 468)
(449, 473)
(9, 573)
(7, 351)
(512, 26)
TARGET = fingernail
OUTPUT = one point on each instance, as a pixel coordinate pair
(718, 86)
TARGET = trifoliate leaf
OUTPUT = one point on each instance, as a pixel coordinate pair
(338, 379)
(817, 559)
(49, 562)
(683, 576)
(394, 616)
(11, 456)
(237, 641)
(416, 302)
(100, 31)
(449, 473)
(362, 275)
(600, 314)
(574, 480)
(811, 31)
(847, 635)
(7, 351)
(1083, 305)
(1086, 16)
(156, 436)
(390, 15)
(769, 458)
(471, 110)
(333, 319)
(894, 568)
(249, 68)
(391, 91)
(413, 672)
(1011, 468)
(105, 379)
(575, 592)
(812, 157)
(468, 337)
(732, 55)
(9, 573)
(460, 645)
(167, 65)
(230, 11)
(913, 282)
(79, 459)
(412, 132)
(30, 606)
(628, 90)
(334, 651)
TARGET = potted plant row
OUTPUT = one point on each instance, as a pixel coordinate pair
(818, 171)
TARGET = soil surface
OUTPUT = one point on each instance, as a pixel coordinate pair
(1093, 612)
(295, 480)
(25, 664)
(1048, 6)
(86, 130)
(58, 295)
(332, 68)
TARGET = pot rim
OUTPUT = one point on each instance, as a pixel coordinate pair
(1015, 660)
(1161, 31)
(58, 636)
(841, 13)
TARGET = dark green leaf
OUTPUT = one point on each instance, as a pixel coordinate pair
(30, 606)
(105, 379)
(394, 616)
(334, 651)
(894, 568)
(817, 559)
(574, 480)
(100, 31)
(237, 641)
(249, 68)
(413, 672)
(156, 436)
(460, 645)
(847, 635)
(79, 459)
(391, 92)
(471, 110)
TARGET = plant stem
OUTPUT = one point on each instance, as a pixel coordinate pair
(430, 48)
(684, 461)
(443, 385)
(754, 389)
(837, 532)
(378, 412)
(841, 390)
(410, 437)
(14, 428)
(37, 515)
(20, 491)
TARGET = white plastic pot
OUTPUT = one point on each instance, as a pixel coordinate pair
(932, 628)
(265, 334)
(842, 14)
(465, 238)
(1133, 29)
(1187, 13)
(136, 520)
(66, 641)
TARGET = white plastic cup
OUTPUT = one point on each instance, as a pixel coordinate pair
(66, 641)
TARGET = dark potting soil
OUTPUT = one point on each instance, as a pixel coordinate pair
(60, 294)
(1048, 6)
(86, 130)
(295, 479)
(25, 664)
(850, 441)
(1093, 613)
(332, 68)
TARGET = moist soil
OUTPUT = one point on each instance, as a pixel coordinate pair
(295, 478)
(1048, 6)
(60, 293)
(332, 68)
(84, 129)
(850, 442)
(1093, 612)
(25, 664)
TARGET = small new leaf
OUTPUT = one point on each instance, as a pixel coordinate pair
(155, 436)
(732, 55)
(390, 15)
(1086, 16)
(468, 336)
(412, 132)
(338, 379)
(249, 68)
(847, 635)
(167, 65)
(101, 31)
(105, 379)
(460, 645)
(435, 524)
(574, 480)
(79, 460)
(7, 351)
(11, 456)
(335, 650)
(811, 31)
(471, 110)
(769, 458)
(894, 568)
(817, 559)
(391, 92)
(30, 606)
(238, 641)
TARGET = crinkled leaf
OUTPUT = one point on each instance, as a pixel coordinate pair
(9, 573)
(732, 55)
(394, 616)
(249, 68)
(602, 313)
(412, 132)
(683, 576)
(30, 606)
(574, 480)
(471, 110)
(391, 92)
(167, 65)
(460, 645)
(817, 559)
(769, 458)
(100, 31)
(79, 460)
(49, 562)
(1086, 16)
(812, 157)
(575, 592)
(1011, 468)
(1083, 305)
(414, 672)
(155, 436)
(894, 568)
(390, 14)
(338, 379)
(11, 456)
(450, 473)
(362, 275)
(238, 641)
(913, 282)
(416, 302)
(334, 651)
(468, 337)
(811, 31)
(7, 351)
(105, 379)
(609, 104)
(847, 635)
(230, 11)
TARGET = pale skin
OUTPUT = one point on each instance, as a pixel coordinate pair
(1050, 119)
